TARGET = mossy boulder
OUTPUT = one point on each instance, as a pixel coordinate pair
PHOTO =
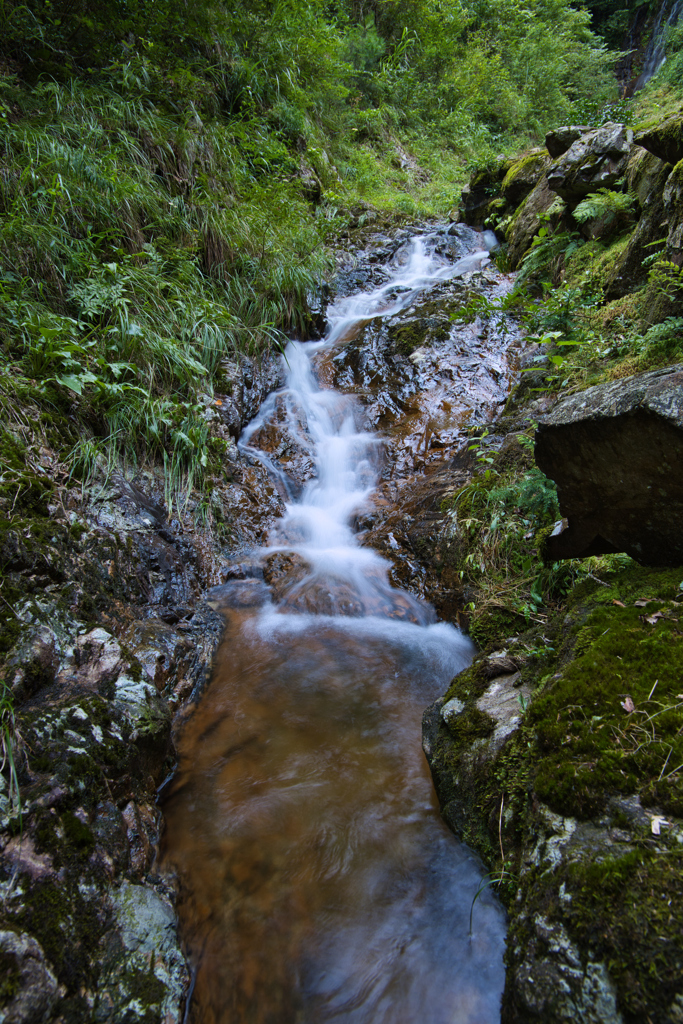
(526, 221)
(664, 139)
(580, 800)
(524, 175)
(596, 160)
(483, 189)
(646, 178)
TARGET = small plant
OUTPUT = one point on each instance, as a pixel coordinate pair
(9, 741)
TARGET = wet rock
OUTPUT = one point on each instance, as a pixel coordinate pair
(554, 983)
(243, 385)
(664, 139)
(98, 658)
(34, 663)
(560, 140)
(248, 593)
(596, 160)
(28, 986)
(616, 454)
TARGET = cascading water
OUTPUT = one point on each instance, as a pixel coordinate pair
(655, 55)
(319, 882)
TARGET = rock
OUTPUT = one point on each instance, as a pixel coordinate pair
(483, 189)
(526, 222)
(596, 160)
(616, 454)
(646, 176)
(28, 988)
(524, 175)
(145, 928)
(560, 140)
(673, 212)
(98, 657)
(34, 662)
(552, 983)
(664, 139)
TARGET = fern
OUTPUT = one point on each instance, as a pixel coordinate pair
(604, 203)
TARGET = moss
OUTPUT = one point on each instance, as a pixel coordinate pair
(523, 167)
(471, 724)
(66, 926)
(145, 987)
(491, 627)
(622, 909)
(77, 834)
(588, 745)
(10, 978)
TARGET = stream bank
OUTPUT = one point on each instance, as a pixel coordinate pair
(557, 753)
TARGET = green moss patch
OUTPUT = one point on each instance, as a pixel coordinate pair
(591, 744)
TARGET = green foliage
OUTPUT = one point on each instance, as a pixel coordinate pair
(612, 208)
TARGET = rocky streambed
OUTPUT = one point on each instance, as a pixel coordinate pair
(111, 640)
(535, 749)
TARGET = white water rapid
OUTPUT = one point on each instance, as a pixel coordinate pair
(320, 881)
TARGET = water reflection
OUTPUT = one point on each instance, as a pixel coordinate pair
(324, 885)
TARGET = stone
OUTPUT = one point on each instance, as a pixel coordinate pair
(28, 987)
(646, 177)
(664, 139)
(524, 175)
(615, 452)
(526, 221)
(673, 212)
(33, 663)
(596, 160)
(483, 189)
(560, 140)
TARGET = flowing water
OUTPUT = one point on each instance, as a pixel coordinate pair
(319, 882)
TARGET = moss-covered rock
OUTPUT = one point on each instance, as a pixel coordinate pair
(663, 138)
(524, 176)
(583, 797)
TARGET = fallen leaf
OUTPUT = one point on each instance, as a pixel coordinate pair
(628, 705)
(619, 603)
(654, 619)
(642, 604)
(656, 823)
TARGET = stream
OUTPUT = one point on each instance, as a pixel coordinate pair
(318, 880)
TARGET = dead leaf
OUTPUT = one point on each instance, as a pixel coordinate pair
(619, 603)
(656, 823)
(654, 619)
(641, 604)
(628, 706)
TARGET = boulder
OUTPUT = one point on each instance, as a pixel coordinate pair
(646, 177)
(560, 140)
(673, 213)
(524, 176)
(664, 140)
(525, 223)
(596, 160)
(615, 452)
(483, 190)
